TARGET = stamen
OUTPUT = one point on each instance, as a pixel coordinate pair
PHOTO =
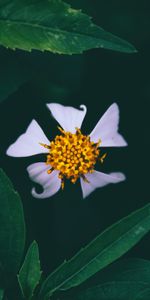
(73, 155)
(85, 179)
(61, 130)
(45, 146)
(50, 171)
(98, 143)
(62, 184)
(78, 131)
(62, 180)
(102, 157)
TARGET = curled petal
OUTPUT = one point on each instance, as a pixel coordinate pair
(68, 117)
(28, 143)
(106, 129)
(99, 179)
(50, 182)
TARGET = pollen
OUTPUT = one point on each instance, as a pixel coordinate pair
(73, 155)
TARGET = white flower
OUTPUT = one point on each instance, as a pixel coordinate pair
(71, 154)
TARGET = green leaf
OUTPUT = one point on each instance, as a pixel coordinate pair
(12, 230)
(112, 291)
(125, 279)
(30, 272)
(1, 294)
(103, 250)
(134, 269)
(13, 73)
(53, 25)
(144, 295)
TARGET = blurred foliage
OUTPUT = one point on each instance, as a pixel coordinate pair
(12, 231)
(1, 294)
(14, 73)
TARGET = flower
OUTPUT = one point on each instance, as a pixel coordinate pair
(71, 154)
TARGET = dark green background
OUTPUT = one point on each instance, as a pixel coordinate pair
(64, 223)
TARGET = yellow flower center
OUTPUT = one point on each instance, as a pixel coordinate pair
(73, 155)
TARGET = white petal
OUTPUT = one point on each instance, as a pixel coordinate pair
(68, 117)
(99, 179)
(107, 129)
(50, 182)
(28, 143)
